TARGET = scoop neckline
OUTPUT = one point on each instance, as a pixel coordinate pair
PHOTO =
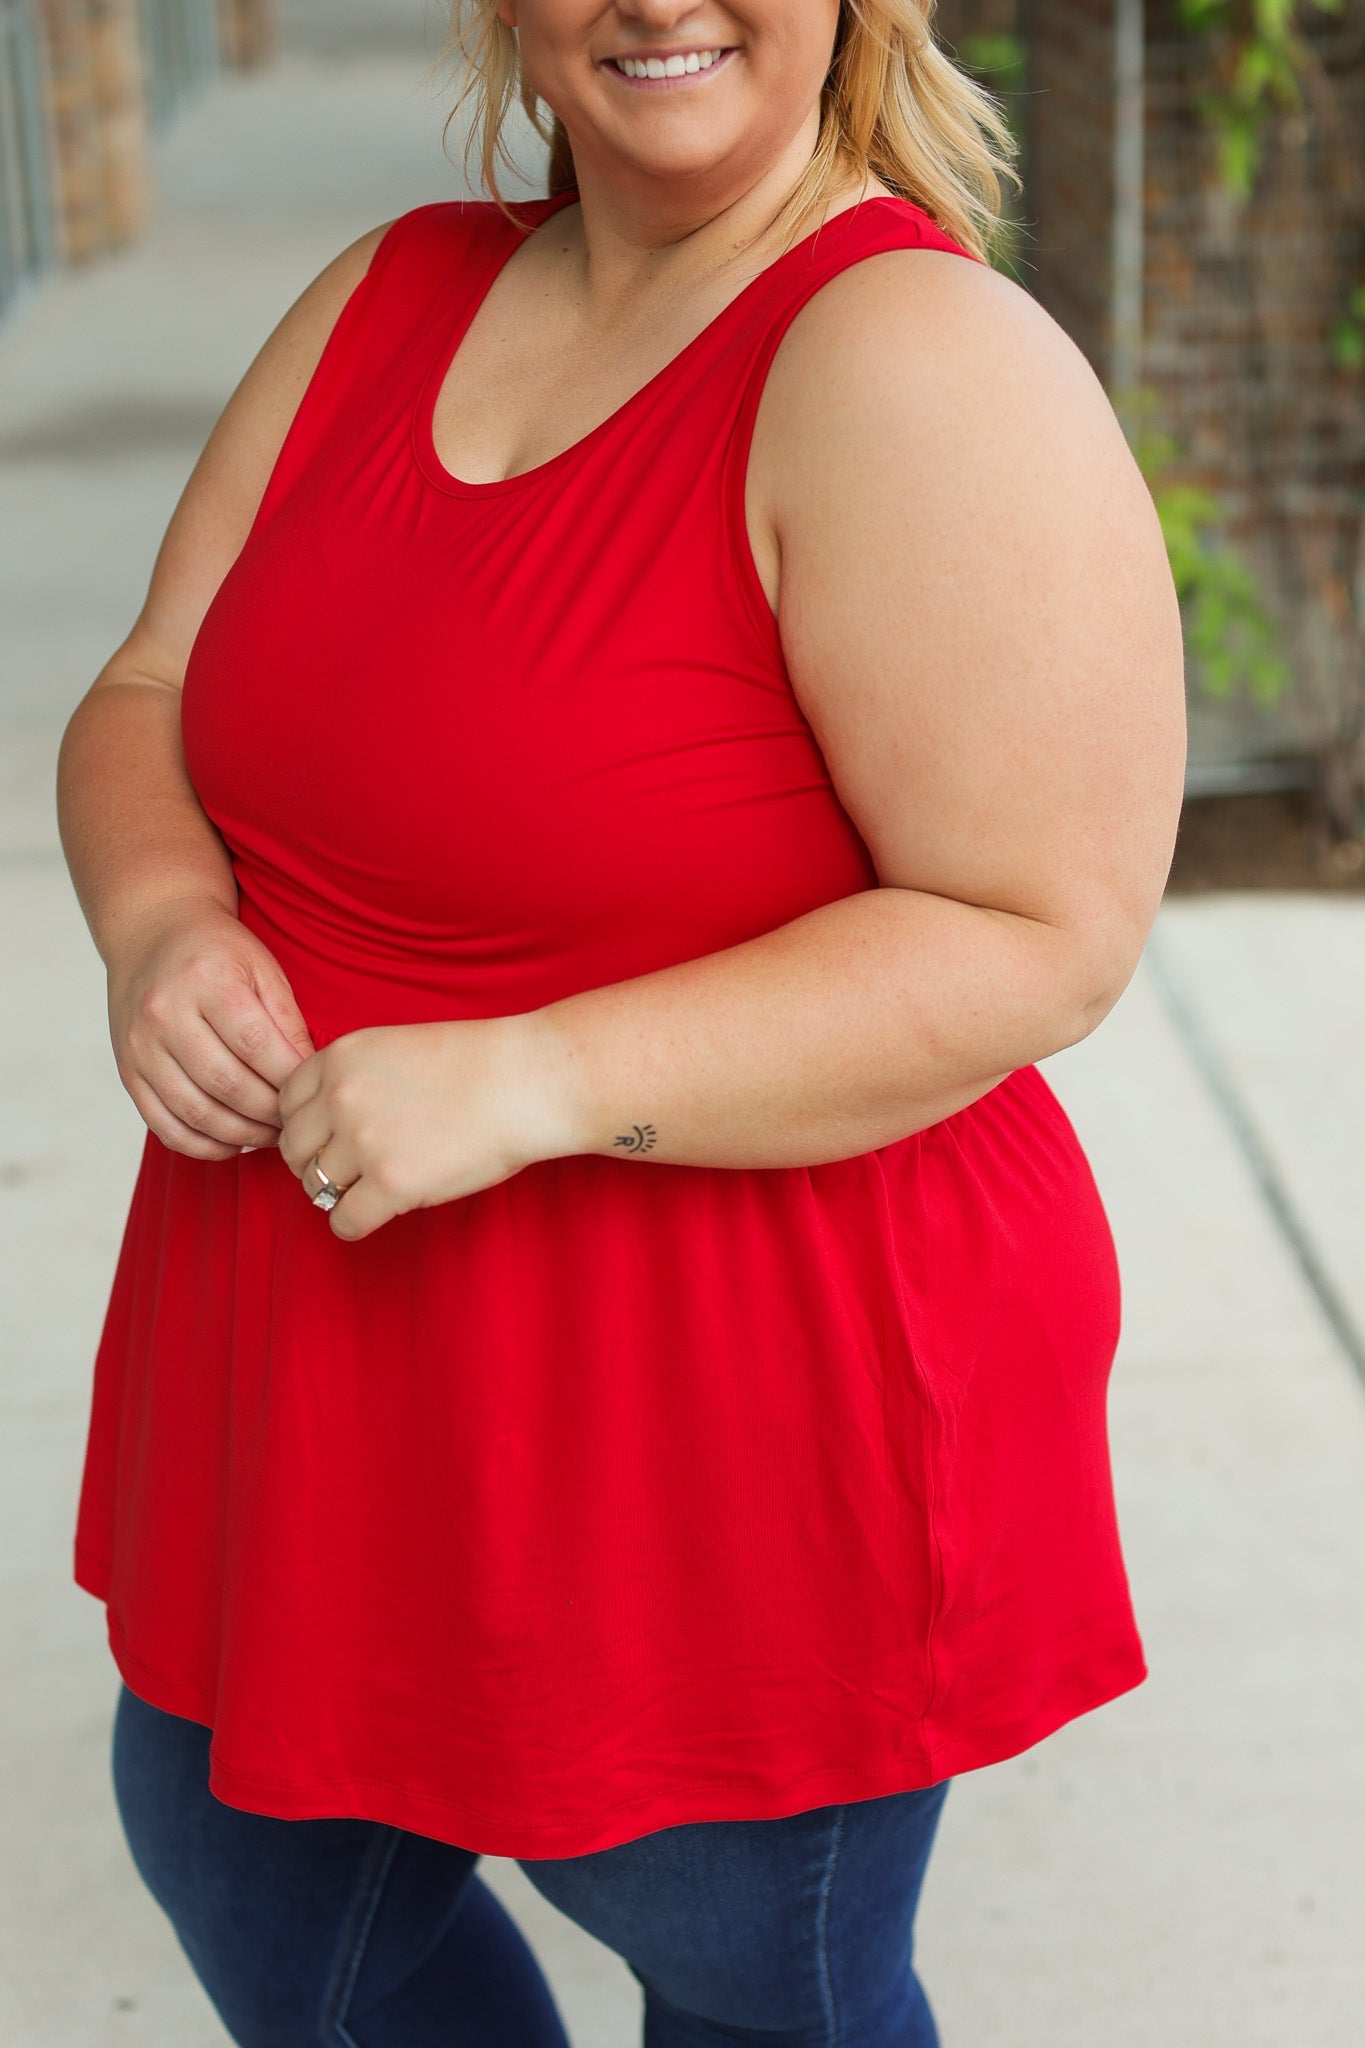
(424, 407)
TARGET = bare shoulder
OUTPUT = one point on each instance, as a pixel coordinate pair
(224, 491)
(290, 354)
(974, 600)
(924, 352)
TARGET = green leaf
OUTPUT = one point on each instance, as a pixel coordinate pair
(1269, 677)
(1239, 156)
(1273, 17)
(1348, 346)
(1230, 637)
(1000, 58)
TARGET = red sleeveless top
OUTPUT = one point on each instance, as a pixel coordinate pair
(615, 1495)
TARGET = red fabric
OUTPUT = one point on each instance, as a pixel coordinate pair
(623, 1493)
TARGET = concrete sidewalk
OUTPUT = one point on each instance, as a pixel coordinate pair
(1187, 1865)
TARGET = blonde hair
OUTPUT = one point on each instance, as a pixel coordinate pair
(893, 106)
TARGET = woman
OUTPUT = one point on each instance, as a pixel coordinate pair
(652, 714)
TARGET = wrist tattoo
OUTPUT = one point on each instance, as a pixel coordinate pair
(639, 1138)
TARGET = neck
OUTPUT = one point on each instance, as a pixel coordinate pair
(628, 241)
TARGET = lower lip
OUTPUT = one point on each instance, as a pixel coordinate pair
(669, 84)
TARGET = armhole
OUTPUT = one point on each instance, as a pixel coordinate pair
(925, 235)
(333, 353)
(734, 487)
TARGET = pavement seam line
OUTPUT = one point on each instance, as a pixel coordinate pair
(1232, 1105)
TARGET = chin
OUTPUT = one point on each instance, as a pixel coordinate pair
(701, 172)
(698, 161)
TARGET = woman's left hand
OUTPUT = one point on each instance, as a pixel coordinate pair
(406, 1116)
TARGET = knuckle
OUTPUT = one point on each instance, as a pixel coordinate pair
(345, 1091)
(392, 1183)
(153, 1007)
(367, 1149)
(250, 1030)
(182, 1104)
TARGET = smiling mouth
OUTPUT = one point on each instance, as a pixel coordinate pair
(667, 69)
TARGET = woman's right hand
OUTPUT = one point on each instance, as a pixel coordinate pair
(204, 1024)
(205, 1030)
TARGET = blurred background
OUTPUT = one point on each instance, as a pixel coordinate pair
(1188, 1863)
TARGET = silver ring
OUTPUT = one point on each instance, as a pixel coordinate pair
(328, 1193)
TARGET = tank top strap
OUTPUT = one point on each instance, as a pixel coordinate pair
(436, 262)
(431, 265)
(729, 373)
(778, 294)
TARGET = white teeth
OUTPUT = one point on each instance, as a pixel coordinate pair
(667, 67)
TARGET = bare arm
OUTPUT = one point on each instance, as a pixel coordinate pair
(204, 1026)
(981, 627)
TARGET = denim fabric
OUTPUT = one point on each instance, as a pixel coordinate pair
(353, 1934)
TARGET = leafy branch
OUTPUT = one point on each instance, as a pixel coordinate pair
(1262, 57)
(1227, 629)
(1348, 336)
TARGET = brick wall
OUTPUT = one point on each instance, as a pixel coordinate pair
(954, 20)
(248, 31)
(1071, 198)
(1238, 302)
(96, 109)
(98, 112)
(1241, 301)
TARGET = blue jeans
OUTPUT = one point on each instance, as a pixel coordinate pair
(352, 1934)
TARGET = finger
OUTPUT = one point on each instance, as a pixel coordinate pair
(338, 1161)
(248, 1027)
(163, 1124)
(289, 1018)
(186, 1101)
(363, 1209)
(225, 1078)
(300, 1086)
(303, 1133)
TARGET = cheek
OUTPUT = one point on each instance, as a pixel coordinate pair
(799, 29)
(788, 56)
(552, 39)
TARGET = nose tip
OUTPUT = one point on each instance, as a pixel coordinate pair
(660, 14)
